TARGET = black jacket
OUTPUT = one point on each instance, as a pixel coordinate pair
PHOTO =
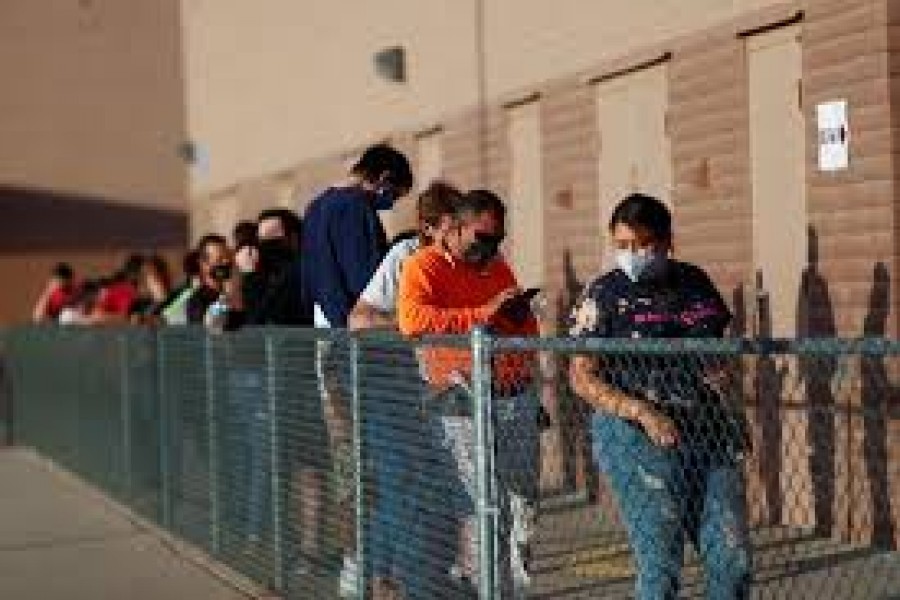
(276, 297)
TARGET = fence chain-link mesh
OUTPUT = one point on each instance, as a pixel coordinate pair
(324, 465)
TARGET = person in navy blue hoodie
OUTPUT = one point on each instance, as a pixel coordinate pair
(343, 238)
(343, 242)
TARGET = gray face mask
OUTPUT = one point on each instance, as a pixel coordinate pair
(640, 265)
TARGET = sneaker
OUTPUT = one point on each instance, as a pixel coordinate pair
(348, 582)
(519, 563)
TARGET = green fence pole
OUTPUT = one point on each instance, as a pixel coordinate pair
(125, 414)
(486, 503)
(212, 450)
(356, 382)
(165, 451)
(274, 464)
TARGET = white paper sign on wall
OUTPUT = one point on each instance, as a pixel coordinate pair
(834, 136)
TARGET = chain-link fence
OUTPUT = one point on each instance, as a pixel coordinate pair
(324, 465)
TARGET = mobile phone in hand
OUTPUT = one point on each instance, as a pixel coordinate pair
(518, 308)
(529, 294)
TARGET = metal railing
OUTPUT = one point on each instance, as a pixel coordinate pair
(322, 465)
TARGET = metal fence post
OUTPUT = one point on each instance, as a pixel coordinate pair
(486, 504)
(355, 382)
(165, 454)
(7, 392)
(125, 414)
(212, 450)
(274, 463)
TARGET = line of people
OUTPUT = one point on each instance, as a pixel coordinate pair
(672, 452)
(133, 294)
(256, 280)
(663, 430)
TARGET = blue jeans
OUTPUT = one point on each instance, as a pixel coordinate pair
(665, 495)
(395, 443)
(516, 454)
(246, 449)
(424, 473)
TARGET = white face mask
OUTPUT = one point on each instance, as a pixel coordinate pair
(637, 265)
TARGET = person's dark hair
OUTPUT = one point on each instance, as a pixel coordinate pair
(244, 234)
(477, 202)
(131, 270)
(438, 200)
(191, 263)
(289, 220)
(64, 271)
(380, 159)
(641, 210)
(210, 239)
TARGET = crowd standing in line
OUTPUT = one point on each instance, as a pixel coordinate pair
(336, 269)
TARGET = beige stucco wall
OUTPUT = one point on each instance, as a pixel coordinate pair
(92, 99)
(530, 41)
(271, 84)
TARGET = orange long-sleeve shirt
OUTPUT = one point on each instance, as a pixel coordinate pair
(442, 296)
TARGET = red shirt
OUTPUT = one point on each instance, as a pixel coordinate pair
(117, 298)
(58, 300)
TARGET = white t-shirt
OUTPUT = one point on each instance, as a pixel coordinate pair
(381, 292)
(70, 316)
(320, 321)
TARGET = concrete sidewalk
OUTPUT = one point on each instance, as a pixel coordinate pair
(60, 540)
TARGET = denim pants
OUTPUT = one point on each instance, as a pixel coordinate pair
(516, 452)
(247, 428)
(396, 447)
(665, 496)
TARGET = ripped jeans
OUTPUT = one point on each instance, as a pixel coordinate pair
(694, 491)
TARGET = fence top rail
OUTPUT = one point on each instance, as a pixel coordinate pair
(196, 333)
(725, 346)
(562, 345)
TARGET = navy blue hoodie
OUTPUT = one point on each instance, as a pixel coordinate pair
(343, 244)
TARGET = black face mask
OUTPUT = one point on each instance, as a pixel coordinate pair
(274, 252)
(220, 273)
(484, 249)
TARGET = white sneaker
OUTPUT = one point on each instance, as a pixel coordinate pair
(348, 582)
(519, 542)
(519, 566)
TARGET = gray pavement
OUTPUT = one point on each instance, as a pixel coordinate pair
(59, 539)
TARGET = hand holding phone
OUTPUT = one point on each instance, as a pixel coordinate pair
(518, 308)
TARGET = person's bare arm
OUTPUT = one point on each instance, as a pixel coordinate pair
(602, 396)
(41, 311)
(366, 316)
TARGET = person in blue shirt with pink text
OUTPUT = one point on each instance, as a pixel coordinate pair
(662, 431)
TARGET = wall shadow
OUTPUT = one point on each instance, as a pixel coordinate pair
(574, 414)
(769, 384)
(815, 319)
(42, 220)
(878, 399)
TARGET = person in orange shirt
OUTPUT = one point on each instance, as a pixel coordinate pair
(452, 289)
